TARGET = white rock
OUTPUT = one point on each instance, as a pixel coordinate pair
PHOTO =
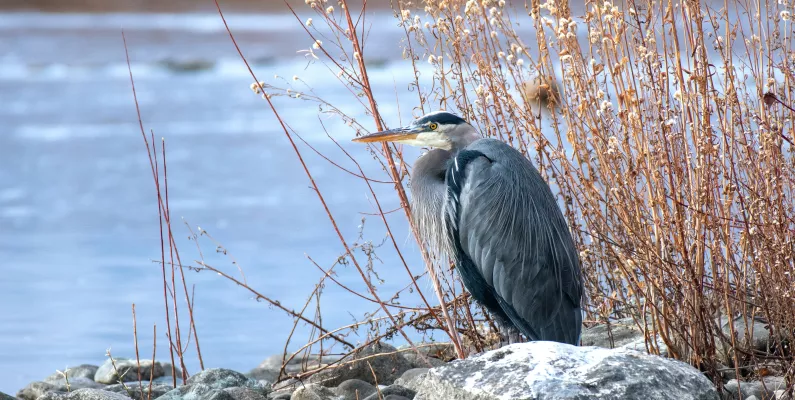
(549, 370)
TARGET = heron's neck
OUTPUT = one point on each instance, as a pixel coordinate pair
(427, 196)
(466, 135)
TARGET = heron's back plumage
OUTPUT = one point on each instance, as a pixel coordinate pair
(511, 243)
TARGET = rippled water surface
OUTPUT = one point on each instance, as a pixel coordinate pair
(78, 214)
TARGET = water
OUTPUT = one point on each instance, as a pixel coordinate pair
(78, 214)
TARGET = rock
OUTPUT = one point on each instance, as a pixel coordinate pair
(135, 391)
(393, 390)
(281, 395)
(395, 397)
(75, 383)
(417, 362)
(440, 350)
(387, 367)
(313, 391)
(436, 353)
(640, 345)
(196, 392)
(622, 331)
(297, 364)
(264, 375)
(84, 394)
(268, 370)
(34, 390)
(166, 380)
(210, 384)
(128, 371)
(244, 393)
(167, 370)
(411, 377)
(81, 371)
(765, 389)
(354, 389)
(220, 378)
(760, 339)
(560, 371)
(286, 387)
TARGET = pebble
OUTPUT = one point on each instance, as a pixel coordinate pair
(393, 390)
(211, 384)
(127, 369)
(134, 391)
(81, 371)
(84, 394)
(313, 391)
(354, 389)
(376, 369)
(411, 377)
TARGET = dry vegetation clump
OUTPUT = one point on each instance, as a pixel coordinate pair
(664, 127)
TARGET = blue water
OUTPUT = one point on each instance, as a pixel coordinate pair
(78, 213)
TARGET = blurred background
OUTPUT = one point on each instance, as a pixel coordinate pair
(79, 227)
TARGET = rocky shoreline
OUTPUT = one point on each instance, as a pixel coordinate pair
(537, 370)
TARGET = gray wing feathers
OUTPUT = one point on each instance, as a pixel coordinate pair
(511, 227)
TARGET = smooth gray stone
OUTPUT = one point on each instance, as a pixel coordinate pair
(282, 395)
(410, 378)
(622, 331)
(297, 364)
(764, 389)
(385, 368)
(84, 394)
(354, 389)
(166, 380)
(221, 378)
(561, 371)
(127, 370)
(211, 384)
(444, 351)
(35, 390)
(244, 393)
(198, 391)
(263, 374)
(167, 370)
(134, 391)
(313, 391)
(417, 362)
(757, 337)
(80, 371)
(393, 390)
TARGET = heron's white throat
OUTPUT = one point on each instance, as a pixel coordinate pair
(435, 140)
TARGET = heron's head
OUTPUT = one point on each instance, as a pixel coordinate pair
(439, 129)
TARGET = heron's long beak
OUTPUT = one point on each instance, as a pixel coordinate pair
(393, 135)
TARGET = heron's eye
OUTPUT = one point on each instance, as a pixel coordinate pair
(433, 126)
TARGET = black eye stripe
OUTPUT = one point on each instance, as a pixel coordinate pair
(444, 118)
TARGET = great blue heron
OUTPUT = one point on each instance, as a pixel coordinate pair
(485, 205)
